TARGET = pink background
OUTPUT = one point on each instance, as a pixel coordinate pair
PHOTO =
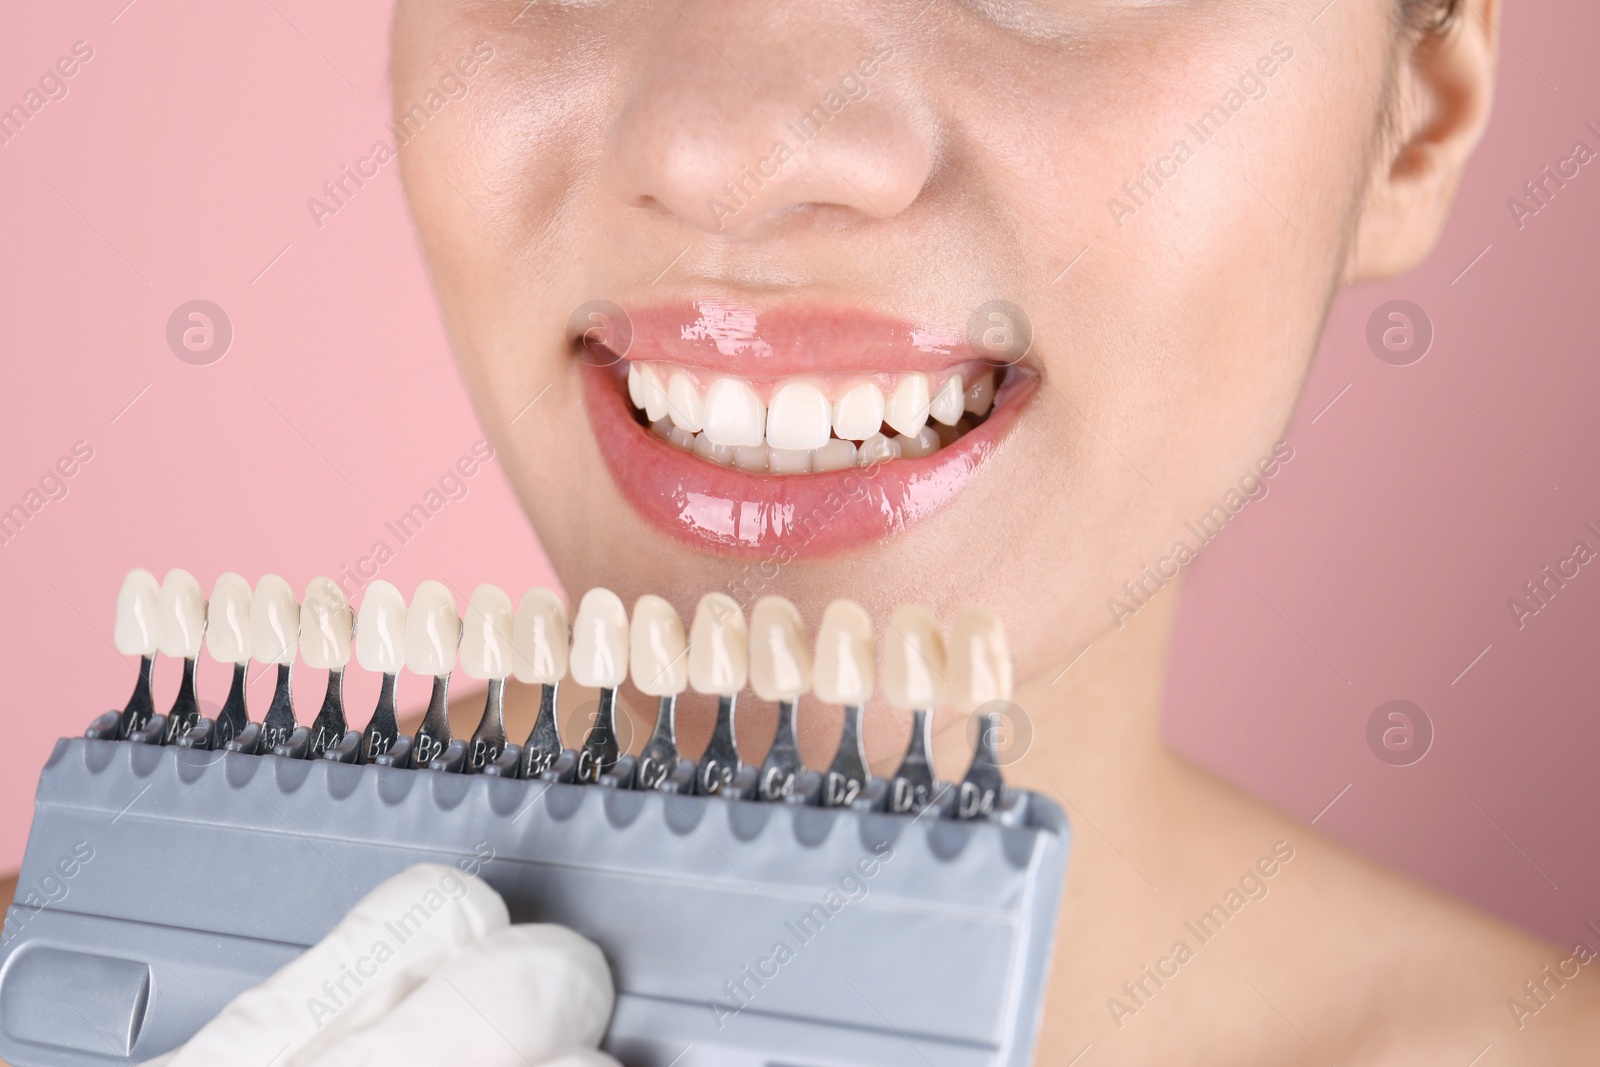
(179, 165)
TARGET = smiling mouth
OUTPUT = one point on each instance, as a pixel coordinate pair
(821, 432)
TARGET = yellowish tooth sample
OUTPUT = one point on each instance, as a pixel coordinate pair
(135, 632)
(980, 659)
(657, 648)
(719, 646)
(844, 654)
(913, 658)
(274, 621)
(381, 629)
(600, 640)
(780, 656)
(486, 634)
(325, 625)
(433, 630)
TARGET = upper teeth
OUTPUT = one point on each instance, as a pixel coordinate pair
(726, 421)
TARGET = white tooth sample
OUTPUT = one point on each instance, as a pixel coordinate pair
(381, 629)
(751, 458)
(658, 656)
(684, 405)
(635, 386)
(135, 629)
(798, 417)
(325, 626)
(844, 654)
(655, 397)
(907, 407)
(600, 640)
(913, 658)
(734, 414)
(719, 646)
(228, 619)
(980, 659)
(433, 630)
(786, 461)
(858, 414)
(180, 615)
(274, 621)
(780, 655)
(877, 449)
(661, 427)
(836, 455)
(721, 455)
(539, 639)
(678, 437)
(925, 443)
(486, 633)
(980, 394)
(949, 402)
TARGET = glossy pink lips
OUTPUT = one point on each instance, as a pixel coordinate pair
(732, 512)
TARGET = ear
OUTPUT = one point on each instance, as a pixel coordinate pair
(1443, 85)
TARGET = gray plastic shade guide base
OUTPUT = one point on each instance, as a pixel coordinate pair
(159, 883)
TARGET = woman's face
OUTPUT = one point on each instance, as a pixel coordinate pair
(798, 208)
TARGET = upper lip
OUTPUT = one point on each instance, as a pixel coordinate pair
(788, 339)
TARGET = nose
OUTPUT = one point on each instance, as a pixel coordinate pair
(766, 122)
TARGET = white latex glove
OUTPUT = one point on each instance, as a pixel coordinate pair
(426, 970)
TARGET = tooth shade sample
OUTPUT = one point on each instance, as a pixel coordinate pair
(907, 407)
(274, 621)
(719, 646)
(433, 630)
(858, 413)
(788, 461)
(949, 402)
(836, 455)
(655, 397)
(228, 620)
(657, 648)
(980, 660)
(684, 405)
(325, 624)
(180, 615)
(135, 629)
(798, 417)
(913, 658)
(980, 394)
(600, 640)
(381, 629)
(844, 654)
(486, 634)
(734, 414)
(539, 638)
(780, 656)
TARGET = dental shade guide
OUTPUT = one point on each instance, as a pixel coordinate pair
(599, 660)
(326, 625)
(913, 677)
(718, 666)
(275, 639)
(658, 652)
(540, 642)
(134, 634)
(980, 682)
(486, 653)
(433, 637)
(228, 641)
(381, 649)
(780, 671)
(844, 676)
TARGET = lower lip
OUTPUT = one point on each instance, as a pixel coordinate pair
(726, 511)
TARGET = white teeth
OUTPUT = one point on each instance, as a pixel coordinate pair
(657, 648)
(734, 414)
(636, 385)
(228, 620)
(980, 659)
(180, 615)
(650, 391)
(907, 407)
(799, 417)
(980, 394)
(433, 630)
(834, 456)
(721, 455)
(844, 654)
(381, 629)
(539, 639)
(858, 414)
(877, 449)
(684, 404)
(925, 443)
(719, 646)
(661, 427)
(947, 406)
(788, 461)
(325, 622)
(751, 458)
(678, 437)
(780, 658)
(487, 633)
(913, 658)
(135, 629)
(600, 640)
(274, 621)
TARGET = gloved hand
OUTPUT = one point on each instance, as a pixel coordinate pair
(426, 970)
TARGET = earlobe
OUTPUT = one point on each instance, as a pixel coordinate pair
(1443, 87)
